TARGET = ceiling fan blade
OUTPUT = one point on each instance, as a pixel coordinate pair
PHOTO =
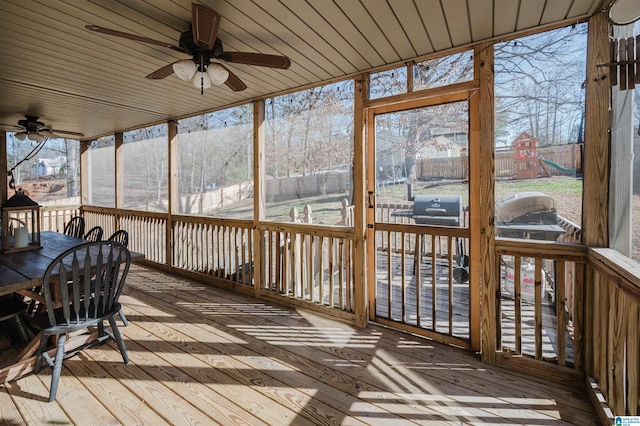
(163, 72)
(259, 59)
(12, 126)
(134, 37)
(65, 132)
(50, 134)
(204, 25)
(233, 82)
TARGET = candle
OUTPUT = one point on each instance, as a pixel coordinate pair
(20, 237)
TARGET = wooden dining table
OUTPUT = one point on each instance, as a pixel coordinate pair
(22, 271)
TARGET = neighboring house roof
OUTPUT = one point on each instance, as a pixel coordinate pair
(59, 161)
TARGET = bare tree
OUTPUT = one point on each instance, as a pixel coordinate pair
(539, 84)
(314, 127)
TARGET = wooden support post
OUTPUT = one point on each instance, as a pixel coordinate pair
(85, 179)
(3, 167)
(361, 300)
(172, 166)
(119, 162)
(595, 215)
(482, 265)
(118, 139)
(259, 203)
(596, 156)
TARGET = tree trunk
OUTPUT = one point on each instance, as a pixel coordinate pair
(72, 168)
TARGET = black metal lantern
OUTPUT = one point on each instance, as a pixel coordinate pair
(20, 224)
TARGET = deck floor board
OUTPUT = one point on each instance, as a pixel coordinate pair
(201, 354)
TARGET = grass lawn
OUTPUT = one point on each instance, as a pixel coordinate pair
(327, 209)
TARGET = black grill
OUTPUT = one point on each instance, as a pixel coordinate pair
(440, 210)
(443, 210)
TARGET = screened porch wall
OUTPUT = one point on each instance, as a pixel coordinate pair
(316, 266)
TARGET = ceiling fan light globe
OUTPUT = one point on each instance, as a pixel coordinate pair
(21, 136)
(218, 74)
(36, 137)
(201, 80)
(185, 69)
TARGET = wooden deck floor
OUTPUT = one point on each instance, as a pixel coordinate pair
(202, 355)
(395, 275)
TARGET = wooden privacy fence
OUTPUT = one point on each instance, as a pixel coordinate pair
(560, 160)
(208, 201)
(279, 189)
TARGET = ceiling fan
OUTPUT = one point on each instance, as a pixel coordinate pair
(201, 42)
(32, 129)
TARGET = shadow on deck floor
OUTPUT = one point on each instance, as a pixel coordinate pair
(200, 354)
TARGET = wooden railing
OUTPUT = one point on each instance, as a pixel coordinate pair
(538, 300)
(147, 230)
(96, 216)
(544, 314)
(55, 218)
(573, 232)
(51, 218)
(147, 233)
(612, 306)
(311, 264)
(385, 212)
(422, 280)
(215, 247)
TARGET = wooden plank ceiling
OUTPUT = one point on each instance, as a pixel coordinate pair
(82, 81)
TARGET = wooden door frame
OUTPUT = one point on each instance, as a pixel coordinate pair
(467, 91)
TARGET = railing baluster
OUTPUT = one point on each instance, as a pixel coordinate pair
(434, 280)
(319, 255)
(450, 278)
(348, 272)
(279, 278)
(342, 276)
(403, 283)
(418, 270)
(334, 254)
(517, 281)
(560, 311)
(389, 268)
(538, 306)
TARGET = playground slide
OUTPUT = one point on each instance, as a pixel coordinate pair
(558, 166)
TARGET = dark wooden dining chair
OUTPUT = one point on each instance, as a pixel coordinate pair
(95, 273)
(122, 237)
(75, 227)
(94, 234)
